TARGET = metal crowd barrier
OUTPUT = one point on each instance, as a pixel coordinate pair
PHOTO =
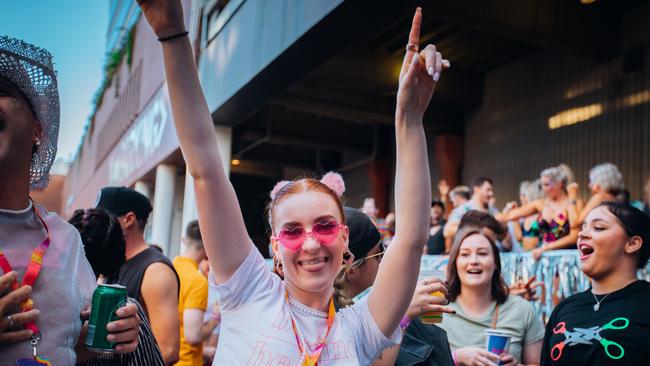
(514, 266)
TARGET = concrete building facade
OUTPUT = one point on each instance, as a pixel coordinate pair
(302, 87)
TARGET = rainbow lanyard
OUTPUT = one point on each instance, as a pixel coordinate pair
(31, 273)
(311, 359)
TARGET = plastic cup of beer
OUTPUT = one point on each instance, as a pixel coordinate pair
(434, 317)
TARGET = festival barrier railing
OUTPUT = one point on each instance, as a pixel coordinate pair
(565, 264)
(561, 264)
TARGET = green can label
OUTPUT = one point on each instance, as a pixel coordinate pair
(106, 300)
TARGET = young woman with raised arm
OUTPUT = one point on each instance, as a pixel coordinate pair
(269, 319)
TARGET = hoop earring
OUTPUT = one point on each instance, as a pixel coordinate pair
(348, 257)
(277, 266)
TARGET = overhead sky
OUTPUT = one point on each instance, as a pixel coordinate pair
(74, 31)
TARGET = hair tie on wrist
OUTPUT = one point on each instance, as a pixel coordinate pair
(177, 35)
(404, 323)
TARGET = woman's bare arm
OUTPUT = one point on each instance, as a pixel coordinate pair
(399, 270)
(521, 212)
(222, 226)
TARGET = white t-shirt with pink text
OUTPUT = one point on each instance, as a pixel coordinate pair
(256, 327)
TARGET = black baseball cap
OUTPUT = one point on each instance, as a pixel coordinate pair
(121, 200)
(364, 235)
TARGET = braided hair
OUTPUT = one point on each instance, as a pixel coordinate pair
(342, 298)
(102, 239)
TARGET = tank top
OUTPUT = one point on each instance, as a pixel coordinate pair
(132, 271)
(555, 229)
(533, 232)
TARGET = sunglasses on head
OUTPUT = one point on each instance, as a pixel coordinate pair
(294, 237)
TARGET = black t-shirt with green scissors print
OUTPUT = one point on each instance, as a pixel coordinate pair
(617, 334)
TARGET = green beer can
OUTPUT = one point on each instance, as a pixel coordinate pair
(106, 300)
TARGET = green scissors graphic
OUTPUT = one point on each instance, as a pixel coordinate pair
(593, 333)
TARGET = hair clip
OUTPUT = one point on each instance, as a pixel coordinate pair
(335, 182)
(278, 186)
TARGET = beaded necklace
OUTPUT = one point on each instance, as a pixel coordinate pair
(17, 212)
(309, 357)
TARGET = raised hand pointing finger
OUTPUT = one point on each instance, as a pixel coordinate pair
(420, 73)
(413, 45)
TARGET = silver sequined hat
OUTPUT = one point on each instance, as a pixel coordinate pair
(31, 70)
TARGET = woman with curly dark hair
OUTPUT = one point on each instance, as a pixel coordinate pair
(103, 240)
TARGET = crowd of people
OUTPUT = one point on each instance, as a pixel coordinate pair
(344, 287)
(547, 217)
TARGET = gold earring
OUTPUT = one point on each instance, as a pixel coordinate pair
(348, 257)
(277, 266)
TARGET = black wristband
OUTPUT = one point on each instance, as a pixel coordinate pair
(177, 35)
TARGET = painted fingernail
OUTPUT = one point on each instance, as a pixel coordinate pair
(436, 76)
(430, 70)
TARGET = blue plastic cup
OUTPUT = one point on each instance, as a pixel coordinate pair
(497, 341)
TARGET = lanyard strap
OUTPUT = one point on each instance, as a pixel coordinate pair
(32, 271)
(495, 316)
(311, 359)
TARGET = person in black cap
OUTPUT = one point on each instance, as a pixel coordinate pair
(365, 244)
(121, 201)
(148, 275)
(423, 344)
